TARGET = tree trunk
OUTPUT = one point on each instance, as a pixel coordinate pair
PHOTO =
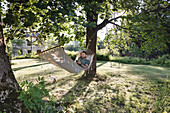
(8, 84)
(91, 40)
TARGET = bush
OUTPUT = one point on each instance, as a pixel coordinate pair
(72, 54)
(103, 57)
(163, 60)
(129, 60)
(32, 95)
(126, 60)
(29, 55)
(137, 60)
(167, 63)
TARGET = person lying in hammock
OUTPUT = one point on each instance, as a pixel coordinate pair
(82, 60)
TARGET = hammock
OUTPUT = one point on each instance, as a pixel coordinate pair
(58, 57)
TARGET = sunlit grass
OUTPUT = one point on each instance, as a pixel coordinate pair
(130, 88)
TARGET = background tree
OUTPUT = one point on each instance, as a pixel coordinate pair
(149, 25)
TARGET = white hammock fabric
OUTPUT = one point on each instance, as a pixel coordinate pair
(58, 57)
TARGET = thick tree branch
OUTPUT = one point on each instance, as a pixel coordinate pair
(117, 25)
(103, 24)
(106, 21)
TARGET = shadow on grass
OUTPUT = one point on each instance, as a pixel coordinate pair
(43, 73)
(19, 68)
(66, 79)
(62, 81)
(77, 90)
(151, 74)
(101, 63)
(149, 70)
(157, 76)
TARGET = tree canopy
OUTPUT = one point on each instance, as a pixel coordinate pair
(150, 25)
(67, 20)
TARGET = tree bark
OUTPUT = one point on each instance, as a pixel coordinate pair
(91, 40)
(8, 84)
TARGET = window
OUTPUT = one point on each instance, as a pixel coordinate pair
(29, 51)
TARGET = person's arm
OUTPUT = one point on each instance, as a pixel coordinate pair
(84, 66)
(78, 62)
(87, 63)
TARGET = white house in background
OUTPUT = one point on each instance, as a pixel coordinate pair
(28, 47)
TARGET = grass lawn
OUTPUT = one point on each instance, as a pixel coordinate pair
(130, 88)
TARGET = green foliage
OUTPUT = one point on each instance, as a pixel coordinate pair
(19, 52)
(17, 43)
(163, 60)
(72, 54)
(102, 57)
(25, 56)
(115, 40)
(102, 54)
(74, 46)
(167, 63)
(145, 21)
(149, 25)
(129, 60)
(32, 95)
(9, 48)
(2, 112)
(135, 50)
(136, 60)
(51, 43)
(100, 44)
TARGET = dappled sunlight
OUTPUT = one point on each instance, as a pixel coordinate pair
(148, 70)
(77, 91)
(126, 87)
(115, 68)
(33, 70)
(156, 67)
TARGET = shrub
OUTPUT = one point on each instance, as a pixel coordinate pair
(102, 52)
(29, 55)
(72, 54)
(32, 95)
(167, 63)
(163, 60)
(103, 57)
(126, 60)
